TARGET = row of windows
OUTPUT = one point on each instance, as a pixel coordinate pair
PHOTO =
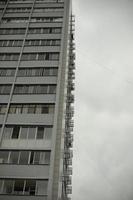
(28, 133)
(35, 89)
(28, 109)
(42, 71)
(25, 157)
(28, 89)
(50, 9)
(17, 43)
(11, 31)
(43, 1)
(29, 56)
(23, 187)
(34, 19)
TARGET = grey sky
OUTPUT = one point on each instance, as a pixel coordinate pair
(103, 146)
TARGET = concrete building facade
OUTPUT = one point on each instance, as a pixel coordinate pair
(36, 97)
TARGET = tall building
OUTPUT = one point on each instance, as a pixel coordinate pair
(36, 99)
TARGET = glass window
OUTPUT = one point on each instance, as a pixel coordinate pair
(40, 133)
(8, 187)
(18, 187)
(48, 133)
(7, 132)
(30, 187)
(15, 133)
(31, 109)
(2, 109)
(4, 156)
(14, 157)
(47, 158)
(32, 132)
(52, 89)
(24, 132)
(36, 157)
(31, 157)
(41, 187)
(24, 157)
(45, 109)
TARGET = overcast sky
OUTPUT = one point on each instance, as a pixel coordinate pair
(103, 141)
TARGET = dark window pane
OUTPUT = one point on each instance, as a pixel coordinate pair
(30, 187)
(8, 187)
(24, 156)
(14, 157)
(18, 187)
(4, 156)
(15, 133)
(40, 133)
(32, 132)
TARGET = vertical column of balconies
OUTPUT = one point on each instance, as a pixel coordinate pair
(69, 123)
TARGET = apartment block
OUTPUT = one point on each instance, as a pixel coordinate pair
(36, 99)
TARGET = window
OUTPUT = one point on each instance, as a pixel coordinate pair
(2, 109)
(12, 31)
(46, 19)
(38, 56)
(3, 157)
(31, 133)
(15, 20)
(40, 133)
(8, 187)
(50, 9)
(7, 72)
(53, 42)
(15, 133)
(9, 56)
(24, 133)
(41, 187)
(18, 187)
(35, 89)
(49, 30)
(14, 156)
(14, 10)
(5, 89)
(27, 132)
(31, 108)
(11, 43)
(24, 157)
(29, 187)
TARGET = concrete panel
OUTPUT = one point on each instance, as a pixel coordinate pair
(43, 36)
(27, 144)
(22, 171)
(38, 63)
(18, 14)
(44, 119)
(37, 79)
(14, 25)
(12, 37)
(41, 4)
(41, 25)
(10, 49)
(19, 5)
(36, 98)
(41, 49)
(8, 64)
(6, 79)
(5, 197)
(48, 14)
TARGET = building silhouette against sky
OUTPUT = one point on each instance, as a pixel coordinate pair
(36, 99)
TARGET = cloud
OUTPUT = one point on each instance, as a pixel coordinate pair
(103, 163)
